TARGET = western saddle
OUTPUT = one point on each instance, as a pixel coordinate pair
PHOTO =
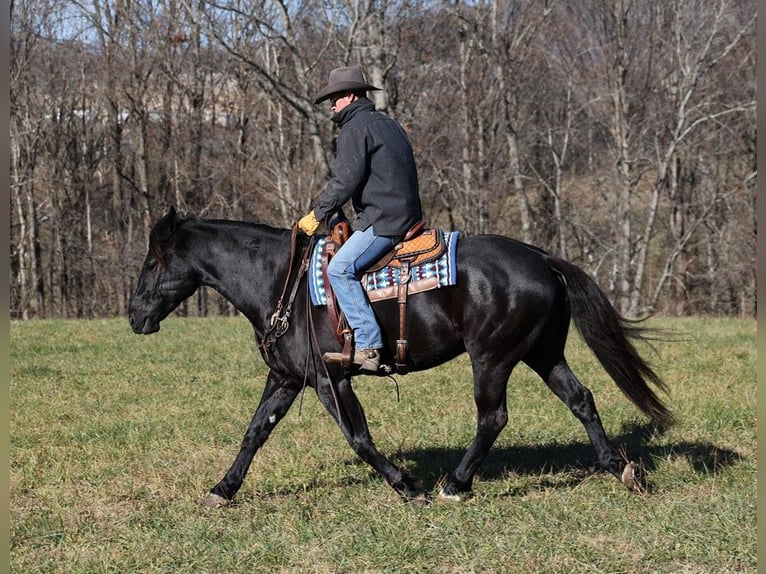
(419, 245)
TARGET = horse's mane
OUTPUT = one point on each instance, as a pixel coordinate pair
(162, 235)
(247, 231)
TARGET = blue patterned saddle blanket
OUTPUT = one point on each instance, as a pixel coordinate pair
(383, 283)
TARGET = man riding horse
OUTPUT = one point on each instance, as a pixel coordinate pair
(374, 168)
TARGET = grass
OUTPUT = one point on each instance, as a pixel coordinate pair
(115, 438)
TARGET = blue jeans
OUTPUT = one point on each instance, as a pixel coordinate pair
(345, 269)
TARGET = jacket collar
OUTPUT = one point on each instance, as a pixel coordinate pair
(343, 116)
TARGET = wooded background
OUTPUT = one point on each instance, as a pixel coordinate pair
(619, 134)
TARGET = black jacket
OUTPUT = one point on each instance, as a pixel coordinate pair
(374, 168)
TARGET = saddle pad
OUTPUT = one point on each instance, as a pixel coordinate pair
(381, 284)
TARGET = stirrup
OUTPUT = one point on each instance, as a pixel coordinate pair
(366, 360)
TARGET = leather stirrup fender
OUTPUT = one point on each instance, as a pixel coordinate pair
(348, 349)
(401, 343)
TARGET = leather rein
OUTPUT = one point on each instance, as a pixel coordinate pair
(280, 319)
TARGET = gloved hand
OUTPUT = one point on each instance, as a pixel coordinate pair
(308, 223)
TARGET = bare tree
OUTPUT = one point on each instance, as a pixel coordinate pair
(618, 134)
(700, 40)
(29, 105)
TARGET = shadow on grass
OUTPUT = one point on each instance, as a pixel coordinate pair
(556, 465)
(577, 459)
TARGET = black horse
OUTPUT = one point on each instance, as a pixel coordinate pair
(512, 303)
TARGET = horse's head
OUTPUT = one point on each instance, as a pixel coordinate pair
(166, 278)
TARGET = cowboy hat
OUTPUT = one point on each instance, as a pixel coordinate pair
(344, 80)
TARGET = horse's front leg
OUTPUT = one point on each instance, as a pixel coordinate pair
(278, 395)
(490, 397)
(344, 406)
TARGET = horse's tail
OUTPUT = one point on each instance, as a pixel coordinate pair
(609, 335)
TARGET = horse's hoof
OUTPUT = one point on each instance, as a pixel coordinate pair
(415, 496)
(632, 478)
(214, 501)
(450, 497)
(419, 499)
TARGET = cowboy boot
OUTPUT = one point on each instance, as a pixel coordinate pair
(367, 360)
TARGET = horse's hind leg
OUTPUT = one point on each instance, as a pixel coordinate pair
(278, 396)
(344, 406)
(562, 381)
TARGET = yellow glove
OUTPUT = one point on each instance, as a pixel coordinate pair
(308, 223)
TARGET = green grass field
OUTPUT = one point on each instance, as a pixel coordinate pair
(115, 438)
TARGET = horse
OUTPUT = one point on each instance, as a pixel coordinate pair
(512, 303)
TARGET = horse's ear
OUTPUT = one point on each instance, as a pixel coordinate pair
(171, 221)
(172, 218)
(166, 226)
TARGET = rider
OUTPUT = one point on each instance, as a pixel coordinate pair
(375, 168)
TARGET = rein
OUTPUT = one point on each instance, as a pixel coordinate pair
(280, 319)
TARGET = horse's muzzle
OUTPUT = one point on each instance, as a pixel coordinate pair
(143, 326)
